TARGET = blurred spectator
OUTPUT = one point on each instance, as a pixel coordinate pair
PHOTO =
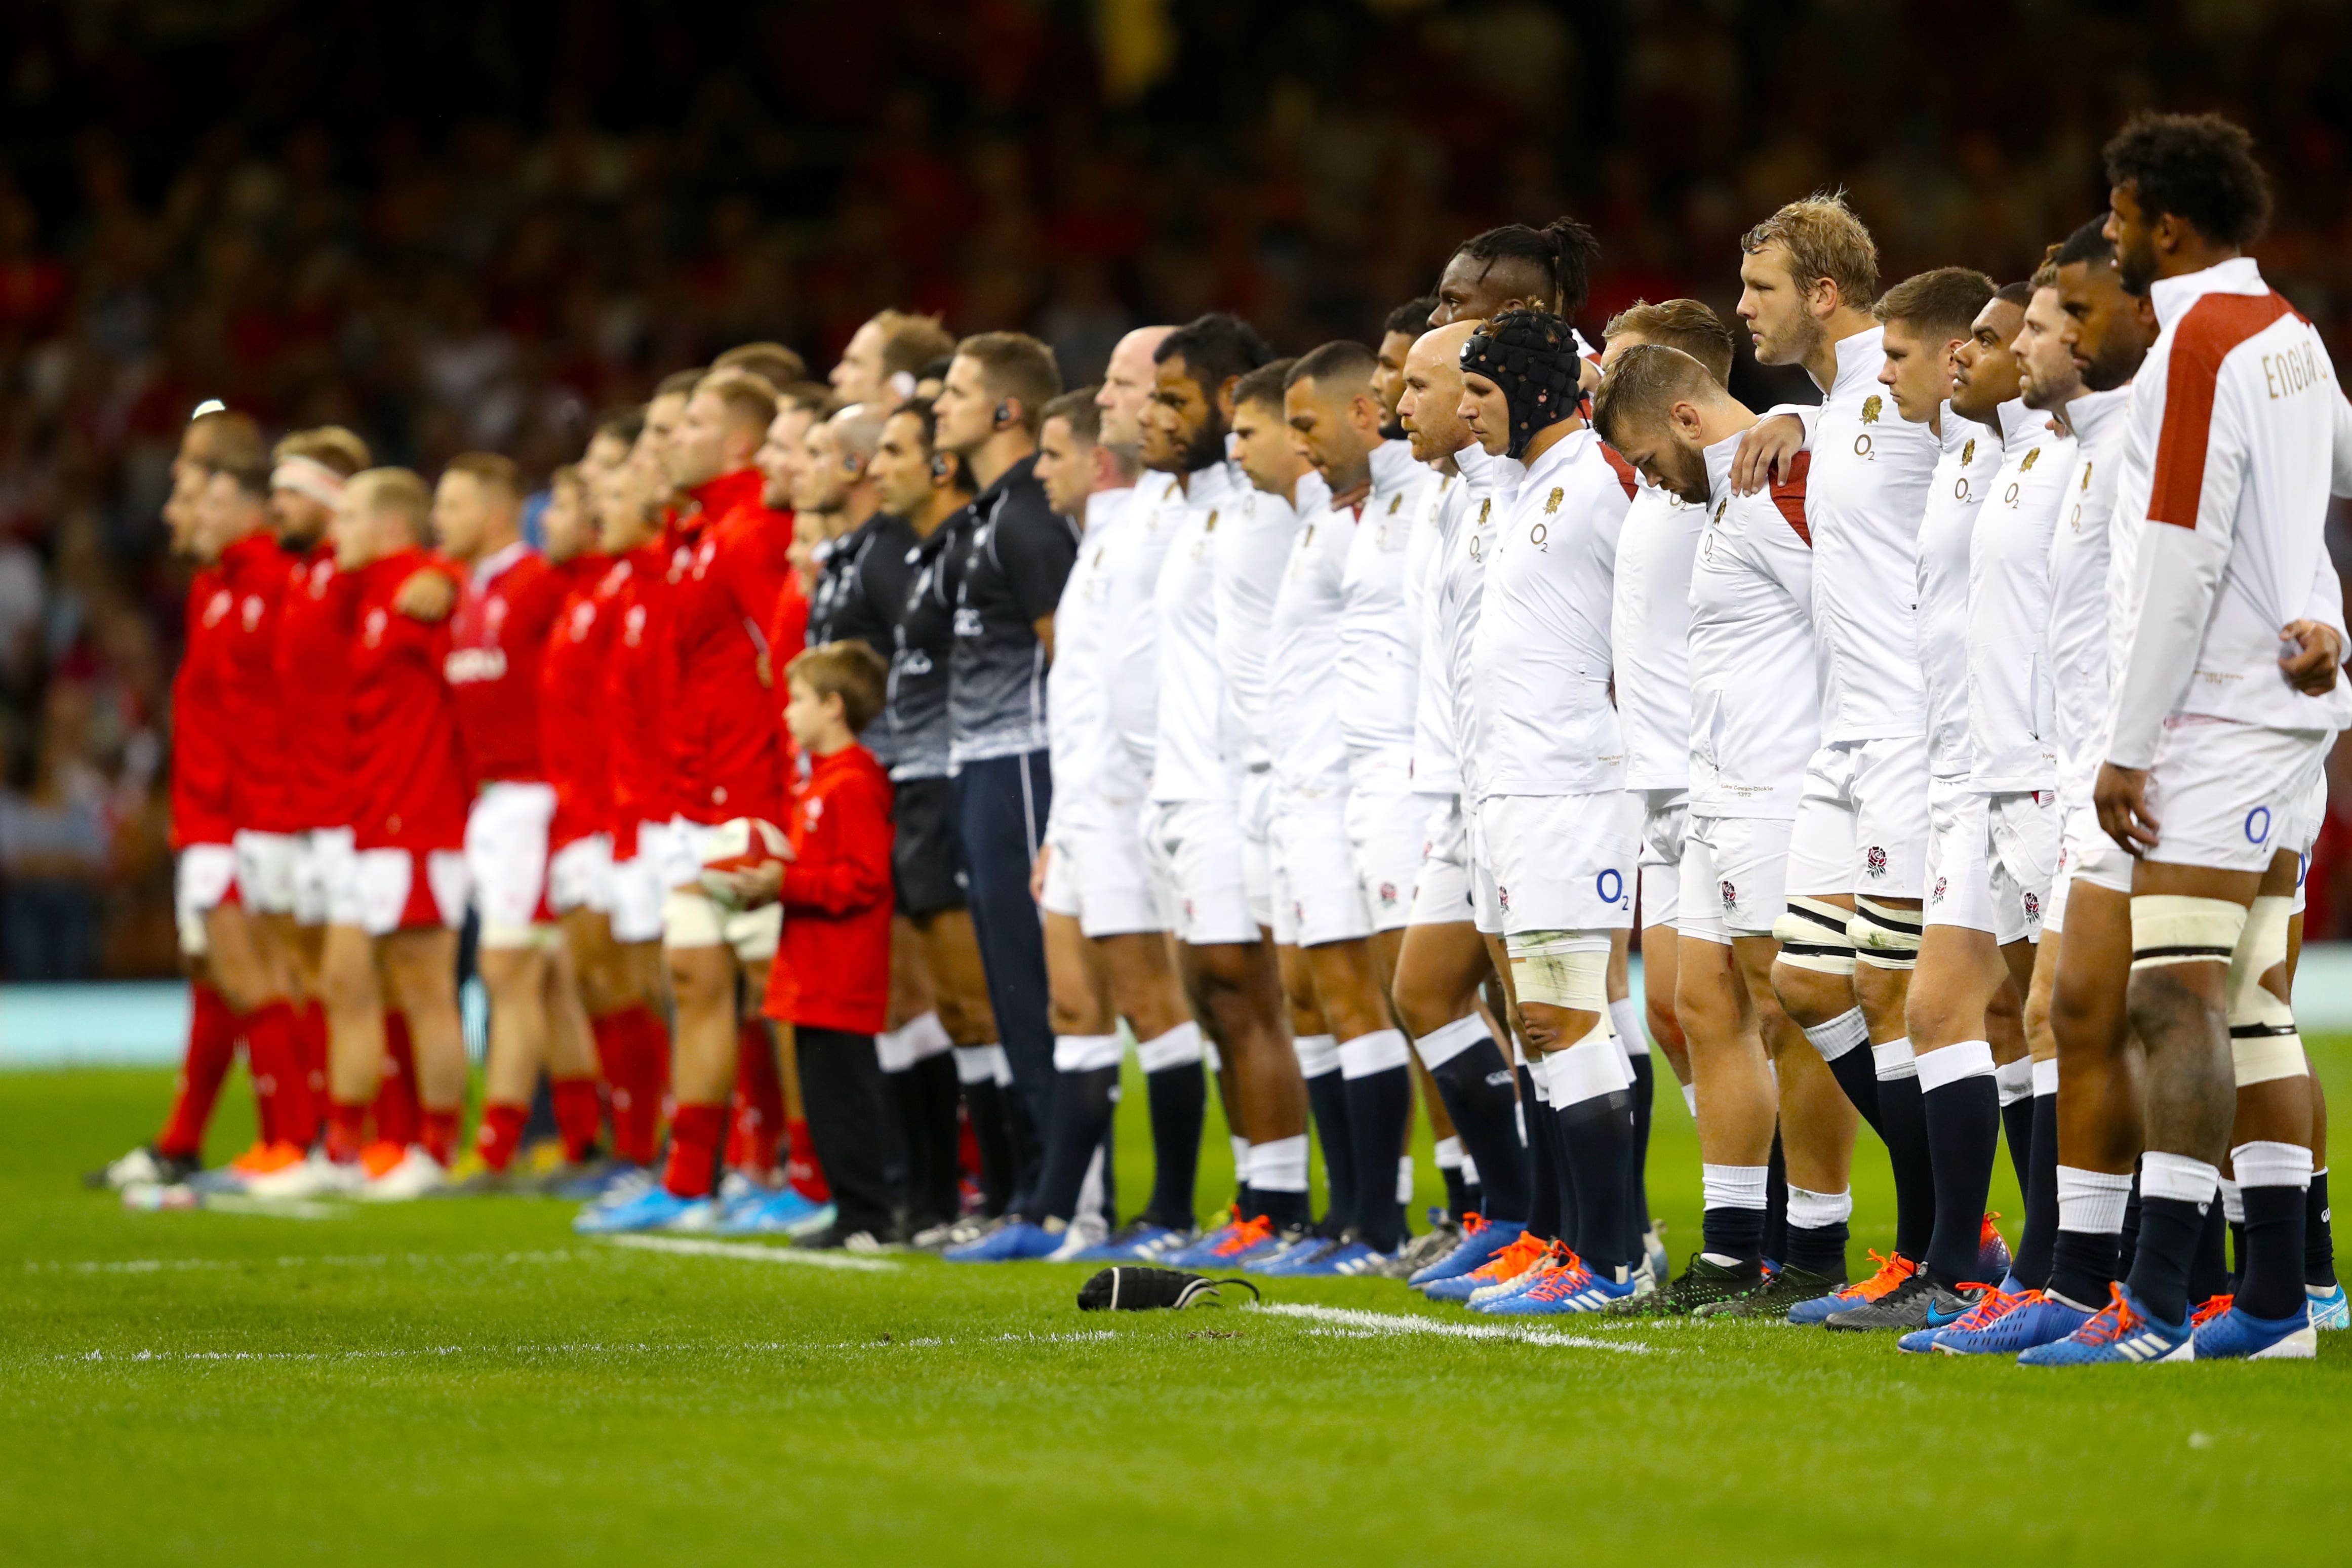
(452, 227)
(54, 851)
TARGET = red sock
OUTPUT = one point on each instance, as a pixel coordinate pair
(758, 1100)
(439, 1132)
(578, 1116)
(800, 1167)
(298, 1110)
(310, 1040)
(501, 1130)
(212, 1051)
(638, 1081)
(693, 1149)
(346, 1131)
(269, 1062)
(395, 1110)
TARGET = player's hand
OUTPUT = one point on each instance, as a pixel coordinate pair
(2121, 797)
(428, 595)
(759, 886)
(2312, 670)
(1037, 873)
(1767, 452)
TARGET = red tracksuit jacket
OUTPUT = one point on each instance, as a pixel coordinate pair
(833, 968)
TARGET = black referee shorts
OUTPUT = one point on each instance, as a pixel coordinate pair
(926, 861)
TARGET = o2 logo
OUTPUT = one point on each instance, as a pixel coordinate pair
(1610, 886)
(2258, 825)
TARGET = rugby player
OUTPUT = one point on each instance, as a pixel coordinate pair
(879, 365)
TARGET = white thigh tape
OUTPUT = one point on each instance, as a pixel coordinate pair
(2167, 928)
(1561, 969)
(1812, 935)
(1884, 937)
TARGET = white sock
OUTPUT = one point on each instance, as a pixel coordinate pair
(1317, 1054)
(1404, 1179)
(2090, 1203)
(2180, 1179)
(2045, 1077)
(1441, 1046)
(1382, 1050)
(1894, 1060)
(1447, 1152)
(1279, 1166)
(1810, 1211)
(1241, 1158)
(1842, 1033)
(2014, 1080)
(1178, 1047)
(1947, 1065)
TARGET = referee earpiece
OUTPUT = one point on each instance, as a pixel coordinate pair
(941, 465)
(1004, 412)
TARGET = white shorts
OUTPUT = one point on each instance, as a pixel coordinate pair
(1861, 823)
(638, 890)
(1665, 816)
(1486, 911)
(2301, 833)
(1441, 888)
(1098, 876)
(1998, 878)
(690, 919)
(265, 870)
(2228, 793)
(1957, 874)
(2085, 853)
(1734, 876)
(1561, 862)
(1318, 896)
(202, 880)
(1195, 850)
(389, 892)
(1386, 829)
(325, 860)
(1257, 833)
(580, 875)
(505, 852)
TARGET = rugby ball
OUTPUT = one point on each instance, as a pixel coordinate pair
(745, 843)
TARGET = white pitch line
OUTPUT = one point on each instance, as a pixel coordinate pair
(299, 1259)
(752, 1251)
(1366, 1323)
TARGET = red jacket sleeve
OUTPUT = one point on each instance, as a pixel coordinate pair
(843, 864)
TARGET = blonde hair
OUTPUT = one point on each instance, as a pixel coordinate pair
(329, 445)
(1683, 324)
(749, 398)
(1824, 239)
(397, 490)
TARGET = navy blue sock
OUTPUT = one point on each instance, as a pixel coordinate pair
(1736, 1233)
(1543, 1206)
(1179, 1101)
(2209, 1268)
(2273, 1251)
(1903, 1122)
(1637, 1157)
(1379, 1108)
(1963, 1120)
(2083, 1266)
(1593, 1138)
(1475, 1085)
(1081, 1112)
(1327, 1097)
(1776, 1203)
(2036, 1246)
(2170, 1230)
(2318, 1236)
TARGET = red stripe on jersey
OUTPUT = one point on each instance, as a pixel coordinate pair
(1625, 475)
(1789, 495)
(2214, 325)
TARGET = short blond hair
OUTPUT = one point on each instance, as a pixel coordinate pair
(1683, 324)
(1642, 384)
(851, 671)
(329, 445)
(397, 490)
(749, 398)
(1824, 239)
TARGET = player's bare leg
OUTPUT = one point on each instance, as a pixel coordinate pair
(958, 990)
(1441, 970)
(517, 979)
(1236, 993)
(1139, 974)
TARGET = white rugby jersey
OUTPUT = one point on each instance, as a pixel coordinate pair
(2012, 729)
(1251, 542)
(2077, 639)
(1437, 766)
(1868, 487)
(1155, 505)
(1756, 685)
(1081, 745)
(1310, 750)
(2239, 433)
(1540, 718)
(1488, 484)
(1649, 633)
(1198, 754)
(1376, 656)
(1971, 456)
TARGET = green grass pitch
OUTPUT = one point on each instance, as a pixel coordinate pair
(456, 1382)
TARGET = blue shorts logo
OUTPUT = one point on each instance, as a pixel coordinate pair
(1610, 886)
(2258, 825)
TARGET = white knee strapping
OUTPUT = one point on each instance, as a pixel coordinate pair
(1180, 1047)
(2167, 928)
(1561, 969)
(1810, 1211)
(1382, 1050)
(1441, 1045)
(1812, 935)
(1085, 1052)
(1884, 937)
(2264, 1044)
(1589, 1069)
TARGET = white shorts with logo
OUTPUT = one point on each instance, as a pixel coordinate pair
(692, 918)
(1386, 829)
(1441, 888)
(638, 890)
(325, 860)
(1561, 862)
(1992, 861)
(2301, 833)
(580, 875)
(505, 851)
(1734, 876)
(1319, 897)
(1195, 850)
(1257, 810)
(1665, 816)
(1098, 876)
(1861, 823)
(265, 870)
(2227, 793)
(393, 889)
(203, 878)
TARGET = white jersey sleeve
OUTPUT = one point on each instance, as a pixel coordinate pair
(1311, 754)
(1251, 542)
(1435, 770)
(1963, 476)
(1376, 656)
(1756, 690)
(1190, 761)
(2012, 696)
(2077, 638)
(1649, 635)
(1080, 742)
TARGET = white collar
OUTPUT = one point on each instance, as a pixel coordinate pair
(491, 565)
(2172, 297)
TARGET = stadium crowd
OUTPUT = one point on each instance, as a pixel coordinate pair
(865, 768)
